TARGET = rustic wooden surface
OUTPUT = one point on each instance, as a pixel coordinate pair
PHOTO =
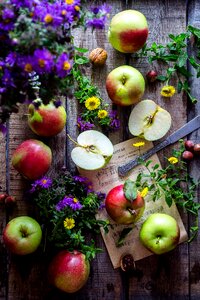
(175, 275)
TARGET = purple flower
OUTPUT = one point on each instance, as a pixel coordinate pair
(64, 65)
(80, 179)
(83, 125)
(3, 129)
(44, 182)
(114, 122)
(48, 13)
(71, 202)
(43, 61)
(7, 17)
(104, 9)
(26, 63)
(98, 23)
(24, 3)
(11, 59)
(7, 79)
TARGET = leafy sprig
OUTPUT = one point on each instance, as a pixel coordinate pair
(176, 56)
(174, 184)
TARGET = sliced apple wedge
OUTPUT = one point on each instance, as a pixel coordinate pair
(149, 121)
(93, 150)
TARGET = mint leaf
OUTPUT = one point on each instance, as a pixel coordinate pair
(130, 190)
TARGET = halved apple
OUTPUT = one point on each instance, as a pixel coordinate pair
(149, 121)
(94, 150)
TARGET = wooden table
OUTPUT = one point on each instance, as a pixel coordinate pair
(175, 275)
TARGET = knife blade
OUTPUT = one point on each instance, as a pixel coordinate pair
(174, 137)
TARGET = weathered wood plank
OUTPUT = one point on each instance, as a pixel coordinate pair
(27, 275)
(3, 189)
(193, 110)
(163, 277)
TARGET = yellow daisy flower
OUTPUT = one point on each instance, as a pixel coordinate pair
(92, 103)
(144, 192)
(139, 144)
(69, 223)
(102, 113)
(173, 160)
(168, 91)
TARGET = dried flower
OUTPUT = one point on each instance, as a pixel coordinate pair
(144, 192)
(139, 144)
(102, 113)
(168, 91)
(173, 160)
(92, 103)
(69, 223)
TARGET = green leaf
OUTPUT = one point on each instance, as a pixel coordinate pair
(161, 78)
(122, 236)
(182, 59)
(179, 86)
(130, 190)
(81, 50)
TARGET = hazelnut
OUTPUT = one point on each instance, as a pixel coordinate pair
(98, 56)
(127, 263)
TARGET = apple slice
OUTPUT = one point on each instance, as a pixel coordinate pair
(149, 121)
(93, 151)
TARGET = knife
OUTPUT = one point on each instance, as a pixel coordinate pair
(174, 137)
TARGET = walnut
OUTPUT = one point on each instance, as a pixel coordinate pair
(98, 56)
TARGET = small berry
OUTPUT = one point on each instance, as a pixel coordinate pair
(3, 197)
(10, 201)
(187, 155)
(189, 145)
(197, 149)
(152, 76)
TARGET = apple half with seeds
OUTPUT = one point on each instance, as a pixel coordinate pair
(93, 150)
(149, 121)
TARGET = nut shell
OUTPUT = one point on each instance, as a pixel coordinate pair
(98, 56)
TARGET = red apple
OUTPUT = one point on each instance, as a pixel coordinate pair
(128, 31)
(69, 271)
(120, 208)
(32, 159)
(125, 85)
(22, 235)
(46, 120)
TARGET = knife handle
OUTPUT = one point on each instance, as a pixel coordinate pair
(123, 170)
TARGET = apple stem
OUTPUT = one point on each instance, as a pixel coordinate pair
(132, 211)
(77, 144)
(158, 239)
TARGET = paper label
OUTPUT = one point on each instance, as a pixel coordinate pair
(105, 179)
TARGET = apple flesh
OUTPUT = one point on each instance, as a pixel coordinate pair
(46, 120)
(69, 271)
(160, 233)
(149, 121)
(120, 209)
(93, 151)
(125, 85)
(32, 159)
(128, 31)
(22, 235)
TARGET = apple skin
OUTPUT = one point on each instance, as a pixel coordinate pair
(119, 207)
(160, 233)
(69, 271)
(125, 85)
(32, 159)
(22, 235)
(46, 120)
(128, 31)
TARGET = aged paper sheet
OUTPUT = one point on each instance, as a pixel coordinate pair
(105, 179)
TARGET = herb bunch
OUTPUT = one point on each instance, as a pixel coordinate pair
(67, 206)
(173, 183)
(176, 56)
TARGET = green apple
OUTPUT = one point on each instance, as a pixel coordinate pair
(128, 31)
(22, 235)
(46, 119)
(149, 121)
(160, 233)
(125, 85)
(93, 150)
